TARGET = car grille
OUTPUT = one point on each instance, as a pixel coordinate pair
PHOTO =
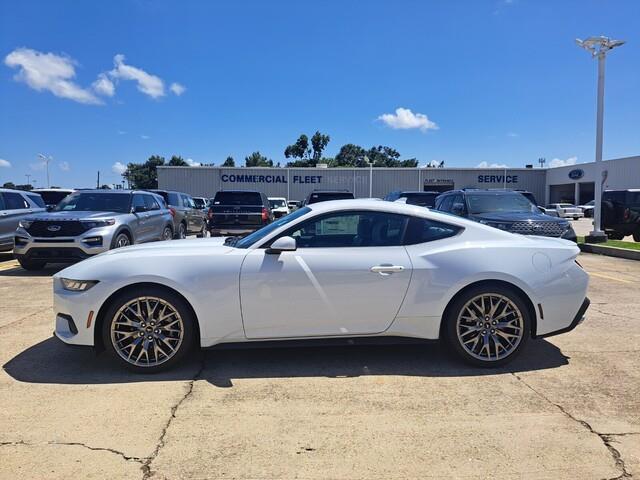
(546, 229)
(67, 228)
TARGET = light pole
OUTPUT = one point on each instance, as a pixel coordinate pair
(366, 159)
(598, 47)
(46, 159)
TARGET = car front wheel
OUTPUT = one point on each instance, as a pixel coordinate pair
(121, 240)
(487, 325)
(167, 233)
(182, 231)
(148, 331)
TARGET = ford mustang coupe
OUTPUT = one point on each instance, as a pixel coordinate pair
(338, 269)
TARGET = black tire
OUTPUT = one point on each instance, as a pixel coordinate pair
(615, 235)
(31, 265)
(203, 231)
(167, 233)
(636, 235)
(457, 308)
(181, 232)
(176, 302)
(122, 239)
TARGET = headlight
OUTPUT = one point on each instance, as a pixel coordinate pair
(25, 223)
(98, 223)
(77, 285)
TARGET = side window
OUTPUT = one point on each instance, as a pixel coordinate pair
(174, 199)
(14, 201)
(188, 202)
(151, 203)
(458, 206)
(36, 199)
(421, 230)
(138, 201)
(2, 207)
(446, 203)
(351, 229)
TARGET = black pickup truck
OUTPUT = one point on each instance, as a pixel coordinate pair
(238, 212)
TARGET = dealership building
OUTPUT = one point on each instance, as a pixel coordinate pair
(574, 183)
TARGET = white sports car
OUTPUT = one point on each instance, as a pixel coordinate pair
(348, 268)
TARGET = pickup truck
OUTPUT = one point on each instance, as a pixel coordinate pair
(238, 212)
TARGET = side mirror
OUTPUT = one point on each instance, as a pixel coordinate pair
(457, 209)
(139, 209)
(282, 244)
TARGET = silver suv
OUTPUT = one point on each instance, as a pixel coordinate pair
(89, 222)
(14, 206)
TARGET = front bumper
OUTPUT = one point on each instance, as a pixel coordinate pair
(232, 231)
(577, 320)
(62, 249)
(76, 313)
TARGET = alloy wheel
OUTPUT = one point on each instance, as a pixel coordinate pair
(490, 327)
(122, 241)
(147, 331)
(167, 234)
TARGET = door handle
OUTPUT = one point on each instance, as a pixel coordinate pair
(386, 269)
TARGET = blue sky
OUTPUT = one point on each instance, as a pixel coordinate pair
(485, 81)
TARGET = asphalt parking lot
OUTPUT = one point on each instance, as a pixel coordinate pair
(568, 408)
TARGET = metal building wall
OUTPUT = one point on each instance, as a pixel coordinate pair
(206, 181)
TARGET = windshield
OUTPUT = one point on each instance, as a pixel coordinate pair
(277, 202)
(326, 196)
(95, 202)
(421, 199)
(499, 202)
(237, 198)
(53, 198)
(249, 240)
(199, 202)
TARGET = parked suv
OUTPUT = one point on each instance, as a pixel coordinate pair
(238, 212)
(89, 222)
(187, 218)
(423, 199)
(14, 206)
(506, 210)
(325, 195)
(279, 206)
(621, 213)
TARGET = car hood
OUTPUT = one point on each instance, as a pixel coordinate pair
(62, 216)
(515, 217)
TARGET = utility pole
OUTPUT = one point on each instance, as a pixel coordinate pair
(46, 159)
(542, 161)
(366, 159)
(598, 47)
(98, 181)
(28, 175)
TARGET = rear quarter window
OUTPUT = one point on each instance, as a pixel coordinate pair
(422, 230)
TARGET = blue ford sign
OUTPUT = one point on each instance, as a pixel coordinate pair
(576, 174)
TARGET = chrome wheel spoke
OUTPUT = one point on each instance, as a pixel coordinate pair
(147, 331)
(490, 327)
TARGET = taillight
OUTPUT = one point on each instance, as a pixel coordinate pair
(172, 211)
(265, 214)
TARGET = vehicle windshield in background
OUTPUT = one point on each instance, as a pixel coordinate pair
(277, 203)
(95, 202)
(53, 198)
(421, 199)
(499, 202)
(199, 203)
(327, 196)
(250, 239)
(237, 198)
(529, 196)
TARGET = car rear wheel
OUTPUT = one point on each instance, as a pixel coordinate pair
(487, 325)
(167, 233)
(203, 231)
(182, 231)
(148, 331)
(31, 265)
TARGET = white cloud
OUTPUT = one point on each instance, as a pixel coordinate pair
(148, 84)
(558, 162)
(104, 86)
(145, 137)
(64, 166)
(50, 72)
(118, 168)
(177, 88)
(491, 165)
(405, 119)
(5, 163)
(513, 134)
(121, 132)
(192, 163)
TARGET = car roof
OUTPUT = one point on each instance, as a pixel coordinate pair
(14, 190)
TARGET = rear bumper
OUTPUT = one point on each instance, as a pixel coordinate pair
(577, 320)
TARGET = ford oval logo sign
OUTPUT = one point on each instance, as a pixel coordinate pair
(576, 174)
(54, 228)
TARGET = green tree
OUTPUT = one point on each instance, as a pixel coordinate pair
(105, 187)
(177, 161)
(300, 149)
(318, 144)
(229, 162)
(350, 155)
(26, 187)
(256, 159)
(144, 175)
(10, 185)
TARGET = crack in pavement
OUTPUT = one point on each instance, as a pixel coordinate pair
(37, 312)
(75, 444)
(601, 312)
(606, 440)
(146, 465)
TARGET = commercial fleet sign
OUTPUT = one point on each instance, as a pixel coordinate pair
(245, 178)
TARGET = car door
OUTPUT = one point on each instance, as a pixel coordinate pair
(13, 208)
(140, 223)
(348, 276)
(155, 218)
(194, 219)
